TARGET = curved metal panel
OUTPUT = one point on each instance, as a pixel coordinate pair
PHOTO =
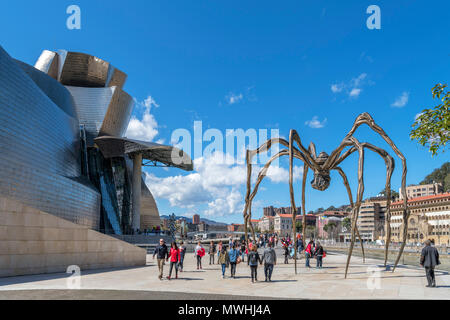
(39, 145)
(112, 147)
(48, 63)
(118, 114)
(84, 70)
(52, 88)
(102, 110)
(149, 210)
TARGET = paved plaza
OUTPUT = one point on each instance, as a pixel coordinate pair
(365, 281)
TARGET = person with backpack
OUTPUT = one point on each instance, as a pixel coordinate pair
(174, 256)
(199, 253)
(212, 252)
(270, 259)
(162, 254)
(319, 253)
(224, 260)
(252, 261)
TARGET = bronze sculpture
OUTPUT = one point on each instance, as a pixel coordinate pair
(322, 165)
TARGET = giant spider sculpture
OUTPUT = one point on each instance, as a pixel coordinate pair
(321, 165)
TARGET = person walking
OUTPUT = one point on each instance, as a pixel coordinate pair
(162, 254)
(182, 254)
(318, 253)
(243, 251)
(252, 261)
(286, 253)
(212, 252)
(220, 246)
(233, 254)
(199, 253)
(270, 259)
(308, 253)
(429, 259)
(224, 260)
(174, 256)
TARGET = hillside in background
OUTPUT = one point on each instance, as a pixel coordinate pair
(441, 175)
(207, 221)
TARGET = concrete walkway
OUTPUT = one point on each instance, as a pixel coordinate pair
(365, 281)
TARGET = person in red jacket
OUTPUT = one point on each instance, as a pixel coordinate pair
(174, 256)
(308, 253)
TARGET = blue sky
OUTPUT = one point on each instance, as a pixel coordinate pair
(282, 65)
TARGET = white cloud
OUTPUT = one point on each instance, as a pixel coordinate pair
(233, 98)
(337, 88)
(219, 183)
(315, 123)
(145, 129)
(353, 88)
(401, 101)
(355, 92)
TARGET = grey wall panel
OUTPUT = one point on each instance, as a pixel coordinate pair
(39, 150)
(102, 110)
(91, 105)
(52, 88)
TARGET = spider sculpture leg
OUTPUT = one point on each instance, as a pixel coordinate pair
(365, 118)
(350, 197)
(390, 166)
(310, 155)
(358, 199)
(249, 156)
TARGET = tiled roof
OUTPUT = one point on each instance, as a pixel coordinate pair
(434, 197)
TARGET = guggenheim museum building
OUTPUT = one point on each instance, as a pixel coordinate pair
(64, 158)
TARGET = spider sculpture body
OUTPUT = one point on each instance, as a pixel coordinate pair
(322, 165)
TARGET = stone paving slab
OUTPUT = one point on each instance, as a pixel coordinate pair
(365, 281)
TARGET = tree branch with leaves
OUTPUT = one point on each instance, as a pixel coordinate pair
(432, 127)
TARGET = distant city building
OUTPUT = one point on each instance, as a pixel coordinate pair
(324, 220)
(429, 219)
(195, 219)
(371, 219)
(266, 224)
(202, 227)
(233, 227)
(424, 190)
(255, 223)
(272, 212)
(283, 224)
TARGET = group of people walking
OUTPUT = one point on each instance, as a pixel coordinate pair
(227, 256)
(231, 258)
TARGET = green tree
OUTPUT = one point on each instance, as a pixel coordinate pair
(394, 194)
(440, 175)
(431, 128)
(347, 223)
(298, 226)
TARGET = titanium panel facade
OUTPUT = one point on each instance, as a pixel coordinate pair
(39, 145)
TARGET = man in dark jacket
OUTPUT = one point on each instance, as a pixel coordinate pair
(162, 254)
(270, 259)
(429, 259)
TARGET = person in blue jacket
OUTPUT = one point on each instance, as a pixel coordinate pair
(234, 255)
